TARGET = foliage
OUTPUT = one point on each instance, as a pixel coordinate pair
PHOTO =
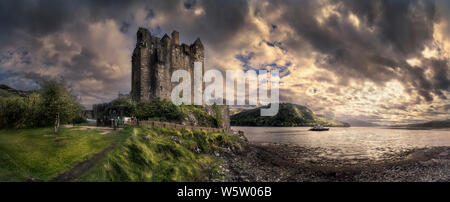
(164, 110)
(40, 109)
(57, 101)
(129, 106)
(288, 115)
(17, 112)
(201, 115)
(158, 109)
(218, 115)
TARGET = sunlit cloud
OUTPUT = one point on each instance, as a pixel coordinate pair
(366, 59)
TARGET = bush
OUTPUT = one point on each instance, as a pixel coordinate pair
(19, 112)
(158, 109)
(164, 110)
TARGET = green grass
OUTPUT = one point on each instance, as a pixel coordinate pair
(151, 154)
(41, 154)
(142, 154)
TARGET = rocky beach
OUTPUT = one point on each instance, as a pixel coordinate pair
(273, 162)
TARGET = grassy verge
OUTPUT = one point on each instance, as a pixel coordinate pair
(161, 154)
(40, 154)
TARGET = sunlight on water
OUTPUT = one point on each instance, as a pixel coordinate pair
(350, 143)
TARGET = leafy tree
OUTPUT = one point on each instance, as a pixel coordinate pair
(19, 112)
(127, 104)
(12, 111)
(58, 104)
(34, 111)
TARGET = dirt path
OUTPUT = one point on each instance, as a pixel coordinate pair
(87, 164)
(103, 130)
(83, 166)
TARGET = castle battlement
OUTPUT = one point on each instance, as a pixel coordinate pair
(155, 59)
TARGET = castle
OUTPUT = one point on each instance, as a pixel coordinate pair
(152, 64)
(155, 59)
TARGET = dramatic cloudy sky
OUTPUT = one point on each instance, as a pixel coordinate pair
(381, 61)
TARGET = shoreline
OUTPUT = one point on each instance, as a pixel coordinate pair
(276, 162)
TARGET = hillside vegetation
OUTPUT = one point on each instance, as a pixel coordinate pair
(161, 154)
(431, 124)
(164, 110)
(288, 115)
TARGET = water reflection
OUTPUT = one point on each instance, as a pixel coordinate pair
(350, 143)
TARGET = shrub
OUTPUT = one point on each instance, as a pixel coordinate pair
(158, 109)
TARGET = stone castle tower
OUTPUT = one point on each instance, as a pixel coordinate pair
(155, 59)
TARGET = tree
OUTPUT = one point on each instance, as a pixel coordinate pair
(12, 112)
(59, 105)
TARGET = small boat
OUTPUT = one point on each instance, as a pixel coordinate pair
(319, 128)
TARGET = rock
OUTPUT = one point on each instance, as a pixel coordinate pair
(445, 153)
(241, 133)
(176, 139)
(190, 119)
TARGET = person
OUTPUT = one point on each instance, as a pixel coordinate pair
(132, 121)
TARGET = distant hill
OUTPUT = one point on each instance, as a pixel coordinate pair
(288, 115)
(6, 91)
(356, 122)
(431, 124)
(235, 110)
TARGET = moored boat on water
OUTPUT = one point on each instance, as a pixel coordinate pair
(319, 128)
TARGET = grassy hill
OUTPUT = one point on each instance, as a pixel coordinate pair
(163, 155)
(288, 115)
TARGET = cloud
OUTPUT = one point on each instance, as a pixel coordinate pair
(383, 60)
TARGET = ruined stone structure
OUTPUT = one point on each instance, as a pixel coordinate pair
(153, 62)
(155, 59)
